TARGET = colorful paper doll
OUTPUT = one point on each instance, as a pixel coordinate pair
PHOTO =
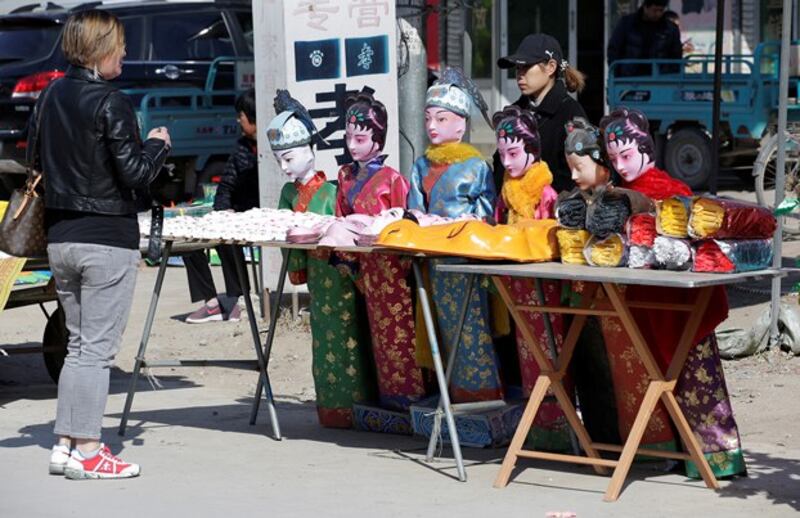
(527, 194)
(367, 186)
(701, 389)
(340, 360)
(452, 179)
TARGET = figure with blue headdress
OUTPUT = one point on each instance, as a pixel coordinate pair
(340, 360)
(452, 179)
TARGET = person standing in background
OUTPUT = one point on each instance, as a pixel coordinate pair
(237, 192)
(687, 46)
(545, 80)
(645, 34)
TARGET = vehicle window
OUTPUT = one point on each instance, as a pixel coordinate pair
(134, 31)
(201, 37)
(29, 41)
(246, 23)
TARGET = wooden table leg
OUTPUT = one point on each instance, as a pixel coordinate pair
(651, 397)
(550, 378)
(687, 340)
(575, 422)
(535, 401)
(689, 440)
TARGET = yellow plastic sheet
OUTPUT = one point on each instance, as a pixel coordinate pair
(526, 241)
(571, 244)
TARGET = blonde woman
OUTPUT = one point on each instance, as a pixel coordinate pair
(97, 170)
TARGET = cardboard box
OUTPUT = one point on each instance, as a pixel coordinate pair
(479, 429)
(374, 419)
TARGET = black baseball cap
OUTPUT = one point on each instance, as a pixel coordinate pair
(535, 48)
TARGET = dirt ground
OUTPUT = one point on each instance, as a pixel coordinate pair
(200, 456)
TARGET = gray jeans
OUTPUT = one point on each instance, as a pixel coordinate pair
(95, 286)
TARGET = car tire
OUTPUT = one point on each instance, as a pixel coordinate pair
(687, 157)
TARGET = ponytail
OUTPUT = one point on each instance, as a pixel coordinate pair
(574, 79)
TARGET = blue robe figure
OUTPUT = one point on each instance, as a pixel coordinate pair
(453, 180)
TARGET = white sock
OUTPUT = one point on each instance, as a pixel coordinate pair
(88, 455)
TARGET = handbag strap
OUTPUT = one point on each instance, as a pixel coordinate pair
(32, 172)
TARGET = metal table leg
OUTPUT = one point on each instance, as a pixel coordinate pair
(241, 272)
(451, 360)
(263, 380)
(148, 325)
(440, 374)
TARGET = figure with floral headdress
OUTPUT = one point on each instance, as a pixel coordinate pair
(368, 186)
(452, 179)
(701, 390)
(340, 358)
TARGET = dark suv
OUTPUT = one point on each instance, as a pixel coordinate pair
(168, 45)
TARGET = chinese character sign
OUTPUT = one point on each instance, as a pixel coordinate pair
(334, 48)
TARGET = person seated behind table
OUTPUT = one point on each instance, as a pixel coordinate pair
(237, 192)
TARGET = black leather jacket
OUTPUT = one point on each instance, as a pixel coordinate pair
(90, 150)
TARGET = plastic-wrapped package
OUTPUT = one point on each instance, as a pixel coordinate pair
(641, 229)
(672, 254)
(672, 216)
(741, 255)
(722, 218)
(609, 209)
(571, 243)
(571, 209)
(610, 251)
(641, 257)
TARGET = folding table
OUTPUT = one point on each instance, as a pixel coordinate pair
(262, 356)
(445, 408)
(606, 298)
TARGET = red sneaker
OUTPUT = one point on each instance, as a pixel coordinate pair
(103, 465)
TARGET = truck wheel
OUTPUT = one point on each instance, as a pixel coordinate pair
(687, 157)
(54, 343)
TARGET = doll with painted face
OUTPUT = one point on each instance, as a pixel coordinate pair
(527, 194)
(585, 155)
(367, 186)
(340, 360)
(526, 191)
(452, 179)
(703, 399)
(631, 151)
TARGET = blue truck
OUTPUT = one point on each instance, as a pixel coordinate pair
(677, 98)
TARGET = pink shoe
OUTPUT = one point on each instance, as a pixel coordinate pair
(205, 314)
(104, 465)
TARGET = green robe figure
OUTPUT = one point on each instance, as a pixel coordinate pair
(340, 356)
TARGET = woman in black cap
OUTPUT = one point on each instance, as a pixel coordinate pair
(544, 78)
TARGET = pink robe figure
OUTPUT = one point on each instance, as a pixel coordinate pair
(384, 279)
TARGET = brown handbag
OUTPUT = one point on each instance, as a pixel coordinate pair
(22, 231)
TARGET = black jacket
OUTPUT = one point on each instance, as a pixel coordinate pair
(90, 150)
(556, 109)
(238, 186)
(634, 38)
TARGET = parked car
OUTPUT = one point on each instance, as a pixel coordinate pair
(181, 56)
